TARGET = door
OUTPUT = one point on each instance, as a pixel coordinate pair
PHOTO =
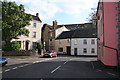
(26, 45)
(68, 50)
(75, 51)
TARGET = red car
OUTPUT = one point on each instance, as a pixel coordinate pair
(50, 53)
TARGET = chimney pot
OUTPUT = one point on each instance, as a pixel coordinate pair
(37, 14)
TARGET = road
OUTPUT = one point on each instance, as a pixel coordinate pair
(57, 67)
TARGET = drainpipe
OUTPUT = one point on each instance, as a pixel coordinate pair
(118, 26)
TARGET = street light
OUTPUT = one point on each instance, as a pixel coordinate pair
(44, 45)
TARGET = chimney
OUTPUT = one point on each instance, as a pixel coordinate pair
(54, 24)
(37, 14)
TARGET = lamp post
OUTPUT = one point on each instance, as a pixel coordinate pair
(44, 45)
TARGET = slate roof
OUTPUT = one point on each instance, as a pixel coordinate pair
(36, 18)
(81, 33)
(75, 26)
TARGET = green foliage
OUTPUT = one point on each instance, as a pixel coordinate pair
(39, 44)
(12, 46)
(44, 51)
(92, 18)
(14, 20)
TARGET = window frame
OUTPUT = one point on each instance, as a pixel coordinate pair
(92, 41)
(85, 41)
(60, 42)
(60, 49)
(34, 24)
(92, 50)
(75, 42)
(84, 50)
(68, 41)
(34, 36)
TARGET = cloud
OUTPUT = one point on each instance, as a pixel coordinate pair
(47, 9)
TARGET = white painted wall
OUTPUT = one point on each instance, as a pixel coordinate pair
(80, 46)
(60, 30)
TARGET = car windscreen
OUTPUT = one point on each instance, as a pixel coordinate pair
(49, 52)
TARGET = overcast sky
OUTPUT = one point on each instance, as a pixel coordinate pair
(64, 11)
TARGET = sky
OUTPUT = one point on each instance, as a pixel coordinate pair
(64, 11)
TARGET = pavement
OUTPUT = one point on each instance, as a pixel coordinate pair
(61, 67)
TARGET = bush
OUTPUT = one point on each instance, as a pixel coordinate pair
(12, 46)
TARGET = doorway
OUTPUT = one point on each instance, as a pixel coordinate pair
(75, 51)
(68, 50)
(26, 45)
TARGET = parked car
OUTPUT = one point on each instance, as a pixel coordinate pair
(50, 53)
(3, 61)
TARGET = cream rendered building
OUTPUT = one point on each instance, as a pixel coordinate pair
(29, 42)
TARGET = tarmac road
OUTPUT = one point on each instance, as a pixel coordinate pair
(61, 67)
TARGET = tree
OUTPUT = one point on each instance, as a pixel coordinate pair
(39, 46)
(92, 18)
(14, 20)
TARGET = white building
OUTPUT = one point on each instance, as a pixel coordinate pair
(84, 46)
(84, 42)
(29, 42)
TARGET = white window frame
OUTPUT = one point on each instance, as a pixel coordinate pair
(75, 42)
(84, 50)
(34, 24)
(85, 41)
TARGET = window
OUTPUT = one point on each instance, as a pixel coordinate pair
(34, 34)
(92, 50)
(68, 41)
(84, 50)
(60, 49)
(75, 42)
(82, 27)
(92, 41)
(34, 45)
(85, 26)
(85, 41)
(60, 42)
(34, 24)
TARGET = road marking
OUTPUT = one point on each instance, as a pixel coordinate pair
(92, 65)
(111, 73)
(7, 70)
(65, 62)
(1, 72)
(71, 59)
(55, 69)
(21, 66)
(34, 62)
(26, 64)
(15, 68)
(98, 70)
